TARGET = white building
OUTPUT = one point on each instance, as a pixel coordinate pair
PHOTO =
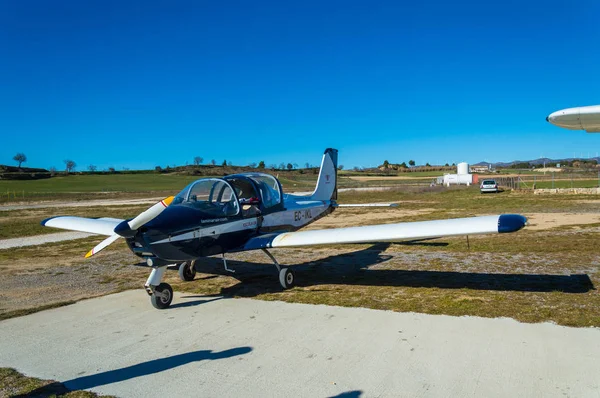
(462, 176)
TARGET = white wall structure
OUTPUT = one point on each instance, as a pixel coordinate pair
(461, 177)
(462, 168)
(458, 179)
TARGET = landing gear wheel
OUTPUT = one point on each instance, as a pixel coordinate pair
(187, 271)
(162, 296)
(287, 278)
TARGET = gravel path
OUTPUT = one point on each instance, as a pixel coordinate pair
(83, 203)
(41, 239)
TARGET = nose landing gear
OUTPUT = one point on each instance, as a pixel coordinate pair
(161, 294)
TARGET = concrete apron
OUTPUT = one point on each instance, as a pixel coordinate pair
(203, 346)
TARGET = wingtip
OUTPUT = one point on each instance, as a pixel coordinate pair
(89, 254)
(511, 223)
(43, 222)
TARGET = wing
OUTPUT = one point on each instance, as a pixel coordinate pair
(100, 226)
(391, 232)
(367, 205)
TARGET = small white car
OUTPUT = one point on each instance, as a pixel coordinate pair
(489, 186)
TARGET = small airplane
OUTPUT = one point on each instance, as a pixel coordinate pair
(249, 211)
(582, 118)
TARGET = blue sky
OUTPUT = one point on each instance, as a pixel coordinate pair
(140, 84)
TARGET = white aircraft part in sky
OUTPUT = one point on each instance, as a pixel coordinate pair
(582, 118)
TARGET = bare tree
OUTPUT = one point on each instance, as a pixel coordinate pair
(295, 165)
(307, 165)
(290, 166)
(252, 165)
(230, 163)
(92, 168)
(70, 165)
(20, 158)
(213, 162)
(52, 171)
(198, 160)
(224, 163)
(281, 166)
(341, 167)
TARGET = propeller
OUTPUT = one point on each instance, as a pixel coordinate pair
(129, 228)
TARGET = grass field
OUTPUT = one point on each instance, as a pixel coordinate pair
(81, 187)
(535, 275)
(15, 384)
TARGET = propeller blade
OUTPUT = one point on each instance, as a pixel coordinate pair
(127, 228)
(150, 214)
(102, 245)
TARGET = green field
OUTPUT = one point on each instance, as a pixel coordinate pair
(132, 185)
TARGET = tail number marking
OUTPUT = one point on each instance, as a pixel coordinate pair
(302, 215)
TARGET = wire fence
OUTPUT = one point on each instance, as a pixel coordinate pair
(549, 180)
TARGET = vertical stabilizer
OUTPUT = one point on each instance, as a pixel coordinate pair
(327, 183)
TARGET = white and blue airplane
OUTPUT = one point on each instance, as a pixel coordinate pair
(249, 211)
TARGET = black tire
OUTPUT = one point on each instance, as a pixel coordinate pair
(287, 278)
(163, 300)
(187, 271)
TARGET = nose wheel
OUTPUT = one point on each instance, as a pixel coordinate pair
(162, 296)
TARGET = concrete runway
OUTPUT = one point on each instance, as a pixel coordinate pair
(214, 347)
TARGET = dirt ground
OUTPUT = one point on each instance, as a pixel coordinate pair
(391, 178)
(547, 272)
(540, 221)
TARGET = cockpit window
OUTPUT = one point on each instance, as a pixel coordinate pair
(212, 196)
(269, 189)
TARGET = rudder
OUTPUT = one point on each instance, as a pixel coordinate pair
(327, 182)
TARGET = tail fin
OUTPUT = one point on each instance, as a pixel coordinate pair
(327, 183)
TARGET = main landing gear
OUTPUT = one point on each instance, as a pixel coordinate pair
(287, 278)
(161, 294)
(187, 271)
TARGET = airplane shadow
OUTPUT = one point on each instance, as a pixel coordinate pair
(130, 372)
(348, 394)
(194, 303)
(353, 269)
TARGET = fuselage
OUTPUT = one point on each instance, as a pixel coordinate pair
(214, 216)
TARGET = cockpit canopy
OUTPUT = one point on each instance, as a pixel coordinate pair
(223, 197)
(269, 190)
(211, 195)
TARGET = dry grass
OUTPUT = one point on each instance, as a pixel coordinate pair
(13, 384)
(17, 223)
(531, 276)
